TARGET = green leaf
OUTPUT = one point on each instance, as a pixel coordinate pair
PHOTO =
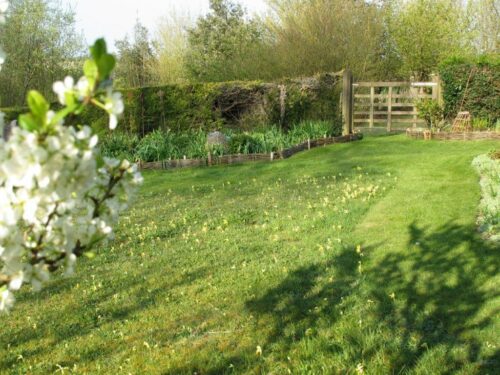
(106, 65)
(38, 105)
(99, 49)
(91, 71)
(104, 62)
(29, 123)
(70, 99)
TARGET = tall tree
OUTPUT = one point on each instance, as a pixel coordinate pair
(327, 35)
(425, 32)
(485, 24)
(171, 45)
(135, 59)
(222, 44)
(42, 46)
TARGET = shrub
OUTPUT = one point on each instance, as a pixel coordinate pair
(430, 111)
(163, 145)
(156, 146)
(481, 78)
(119, 145)
(481, 124)
(313, 130)
(244, 143)
(489, 209)
(242, 106)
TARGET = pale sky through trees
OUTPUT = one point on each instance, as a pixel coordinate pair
(113, 19)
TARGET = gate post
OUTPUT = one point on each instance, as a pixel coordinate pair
(437, 90)
(347, 103)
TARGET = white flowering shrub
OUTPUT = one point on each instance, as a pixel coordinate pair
(58, 197)
(489, 210)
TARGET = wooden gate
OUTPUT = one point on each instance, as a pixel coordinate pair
(390, 105)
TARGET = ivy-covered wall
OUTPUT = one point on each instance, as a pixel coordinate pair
(481, 95)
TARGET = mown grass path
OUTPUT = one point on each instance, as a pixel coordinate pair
(354, 258)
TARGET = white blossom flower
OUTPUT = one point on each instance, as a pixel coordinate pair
(62, 88)
(3, 56)
(56, 201)
(83, 88)
(4, 5)
(2, 124)
(114, 106)
(46, 190)
(6, 300)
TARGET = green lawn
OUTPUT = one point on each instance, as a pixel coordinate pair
(256, 269)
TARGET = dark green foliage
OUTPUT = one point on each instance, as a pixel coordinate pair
(42, 46)
(241, 106)
(119, 145)
(244, 144)
(230, 105)
(163, 145)
(481, 96)
(135, 59)
(13, 113)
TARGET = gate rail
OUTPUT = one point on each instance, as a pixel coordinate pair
(366, 105)
(391, 103)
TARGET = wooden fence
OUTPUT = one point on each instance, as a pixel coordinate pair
(391, 104)
(211, 160)
(384, 105)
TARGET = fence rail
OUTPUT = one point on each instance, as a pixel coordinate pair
(390, 103)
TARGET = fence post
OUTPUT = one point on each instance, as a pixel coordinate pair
(372, 104)
(389, 110)
(437, 91)
(347, 102)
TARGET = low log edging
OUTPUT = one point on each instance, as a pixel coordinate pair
(456, 136)
(243, 158)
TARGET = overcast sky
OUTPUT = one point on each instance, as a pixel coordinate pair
(116, 18)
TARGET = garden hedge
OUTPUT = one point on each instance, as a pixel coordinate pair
(212, 106)
(482, 93)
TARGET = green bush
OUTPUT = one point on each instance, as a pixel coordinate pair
(489, 218)
(155, 146)
(244, 144)
(482, 98)
(163, 145)
(119, 145)
(481, 124)
(430, 111)
(241, 106)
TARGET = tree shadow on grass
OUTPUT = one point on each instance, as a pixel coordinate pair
(441, 311)
(294, 308)
(443, 281)
(304, 297)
